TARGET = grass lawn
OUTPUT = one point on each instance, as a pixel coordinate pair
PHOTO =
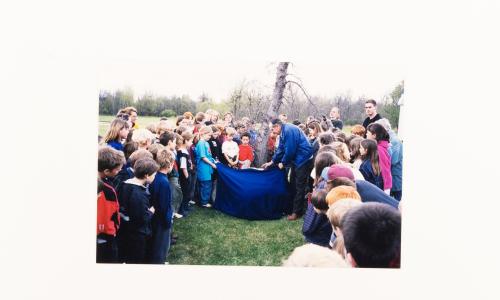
(142, 120)
(209, 237)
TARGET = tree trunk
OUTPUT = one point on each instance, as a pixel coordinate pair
(272, 112)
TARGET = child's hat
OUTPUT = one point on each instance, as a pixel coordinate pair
(336, 171)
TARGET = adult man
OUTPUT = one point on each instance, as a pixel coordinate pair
(396, 152)
(371, 112)
(335, 118)
(294, 150)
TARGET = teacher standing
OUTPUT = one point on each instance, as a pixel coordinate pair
(294, 150)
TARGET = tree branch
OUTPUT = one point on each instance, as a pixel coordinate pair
(305, 93)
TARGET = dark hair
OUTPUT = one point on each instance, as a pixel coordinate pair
(323, 160)
(318, 200)
(179, 119)
(277, 122)
(372, 234)
(342, 181)
(145, 167)
(296, 122)
(326, 138)
(371, 154)
(379, 132)
(166, 137)
(327, 148)
(109, 158)
(339, 136)
(371, 101)
(129, 148)
(246, 134)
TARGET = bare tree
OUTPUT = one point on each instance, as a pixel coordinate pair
(272, 111)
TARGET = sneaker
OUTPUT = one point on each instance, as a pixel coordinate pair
(178, 216)
(192, 202)
(207, 205)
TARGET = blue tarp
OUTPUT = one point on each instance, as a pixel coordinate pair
(252, 194)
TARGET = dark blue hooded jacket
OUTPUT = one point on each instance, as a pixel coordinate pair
(294, 148)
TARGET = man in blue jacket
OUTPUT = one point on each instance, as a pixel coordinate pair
(295, 151)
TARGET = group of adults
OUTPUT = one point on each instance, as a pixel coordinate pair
(295, 151)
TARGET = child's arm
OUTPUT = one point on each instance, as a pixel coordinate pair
(185, 172)
(209, 162)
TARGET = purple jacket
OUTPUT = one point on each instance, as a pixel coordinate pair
(385, 163)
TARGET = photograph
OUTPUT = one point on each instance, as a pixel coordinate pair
(290, 164)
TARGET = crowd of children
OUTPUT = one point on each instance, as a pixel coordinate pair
(148, 177)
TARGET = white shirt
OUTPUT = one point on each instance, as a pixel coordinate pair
(230, 148)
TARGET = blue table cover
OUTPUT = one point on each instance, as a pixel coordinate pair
(252, 194)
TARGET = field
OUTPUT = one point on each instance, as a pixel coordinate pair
(143, 122)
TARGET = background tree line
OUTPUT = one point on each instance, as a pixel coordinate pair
(249, 100)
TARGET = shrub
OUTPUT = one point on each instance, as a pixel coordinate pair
(168, 113)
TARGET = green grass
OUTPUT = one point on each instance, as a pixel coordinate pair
(209, 237)
(142, 120)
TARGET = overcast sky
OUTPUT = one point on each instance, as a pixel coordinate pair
(217, 79)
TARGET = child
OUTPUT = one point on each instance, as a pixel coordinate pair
(316, 228)
(370, 167)
(168, 139)
(161, 199)
(155, 148)
(118, 131)
(245, 152)
(215, 144)
(310, 255)
(378, 133)
(185, 169)
(335, 214)
(230, 149)
(326, 138)
(354, 145)
(372, 236)
(358, 130)
(342, 151)
(110, 162)
(143, 137)
(128, 172)
(135, 205)
(205, 165)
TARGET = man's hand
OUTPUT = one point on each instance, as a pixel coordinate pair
(266, 165)
(280, 165)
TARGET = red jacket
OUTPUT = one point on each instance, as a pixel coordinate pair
(108, 217)
(246, 152)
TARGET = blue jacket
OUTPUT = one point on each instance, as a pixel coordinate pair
(371, 193)
(396, 152)
(161, 199)
(316, 228)
(367, 171)
(294, 148)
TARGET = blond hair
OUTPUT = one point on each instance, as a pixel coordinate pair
(114, 129)
(335, 214)
(230, 131)
(311, 255)
(143, 137)
(163, 126)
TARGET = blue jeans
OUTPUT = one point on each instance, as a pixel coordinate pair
(205, 191)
